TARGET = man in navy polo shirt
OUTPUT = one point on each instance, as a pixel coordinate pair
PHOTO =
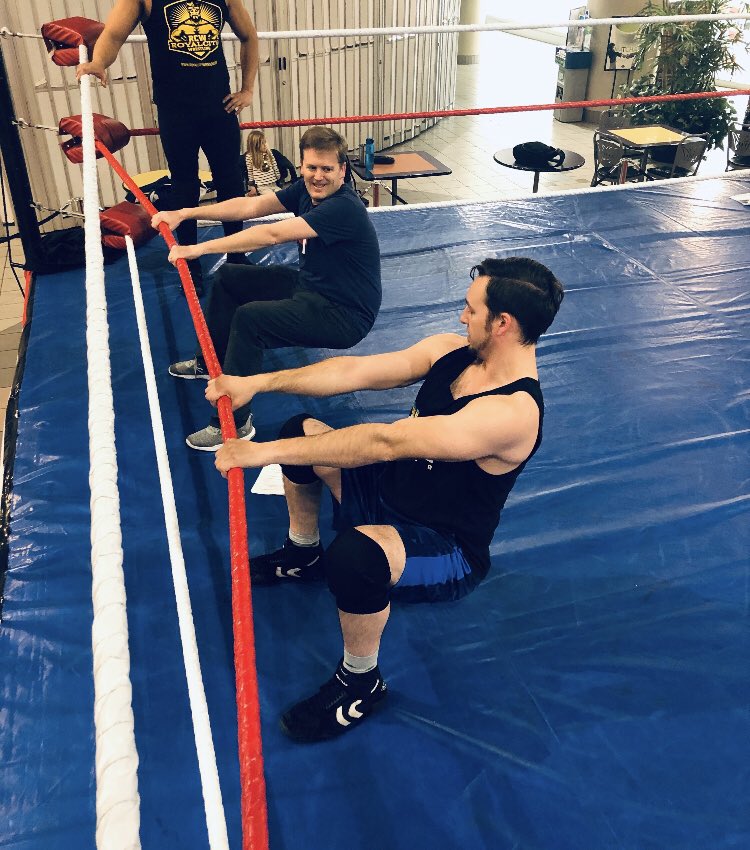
(330, 302)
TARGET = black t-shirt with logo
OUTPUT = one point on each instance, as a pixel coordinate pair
(187, 60)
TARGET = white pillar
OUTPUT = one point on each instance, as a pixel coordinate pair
(600, 81)
(468, 42)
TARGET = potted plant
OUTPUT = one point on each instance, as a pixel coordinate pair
(681, 58)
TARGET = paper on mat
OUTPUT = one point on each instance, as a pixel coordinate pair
(269, 482)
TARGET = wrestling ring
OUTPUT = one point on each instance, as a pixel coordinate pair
(591, 693)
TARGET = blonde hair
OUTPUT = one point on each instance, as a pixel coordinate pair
(260, 153)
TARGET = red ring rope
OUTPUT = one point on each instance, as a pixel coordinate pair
(490, 110)
(26, 295)
(252, 781)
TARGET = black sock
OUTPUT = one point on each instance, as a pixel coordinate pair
(302, 555)
(358, 682)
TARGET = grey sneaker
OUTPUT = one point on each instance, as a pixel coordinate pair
(209, 439)
(190, 369)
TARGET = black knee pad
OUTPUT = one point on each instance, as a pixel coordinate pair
(296, 474)
(358, 574)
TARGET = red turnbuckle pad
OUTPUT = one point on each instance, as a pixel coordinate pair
(125, 219)
(112, 134)
(64, 37)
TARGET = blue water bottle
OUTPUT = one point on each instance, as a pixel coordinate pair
(369, 157)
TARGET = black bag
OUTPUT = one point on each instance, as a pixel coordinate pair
(63, 250)
(537, 154)
(159, 192)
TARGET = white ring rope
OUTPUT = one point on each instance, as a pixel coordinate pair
(209, 773)
(455, 28)
(497, 27)
(117, 799)
(555, 193)
(521, 195)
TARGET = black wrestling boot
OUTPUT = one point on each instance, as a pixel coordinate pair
(342, 703)
(297, 563)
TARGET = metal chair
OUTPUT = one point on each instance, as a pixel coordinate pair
(611, 164)
(687, 159)
(614, 119)
(619, 119)
(738, 149)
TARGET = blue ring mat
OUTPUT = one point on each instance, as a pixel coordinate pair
(592, 693)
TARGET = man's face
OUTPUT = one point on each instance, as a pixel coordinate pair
(322, 172)
(194, 11)
(476, 316)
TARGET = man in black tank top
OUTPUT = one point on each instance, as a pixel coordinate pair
(191, 92)
(419, 499)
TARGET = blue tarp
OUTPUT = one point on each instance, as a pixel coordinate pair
(592, 693)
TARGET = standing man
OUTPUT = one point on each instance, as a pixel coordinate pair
(331, 302)
(191, 91)
(418, 500)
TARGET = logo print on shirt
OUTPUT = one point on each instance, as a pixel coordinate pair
(194, 27)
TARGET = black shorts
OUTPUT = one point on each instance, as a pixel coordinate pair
(436, 569)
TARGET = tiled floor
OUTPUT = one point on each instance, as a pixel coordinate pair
(465, 145)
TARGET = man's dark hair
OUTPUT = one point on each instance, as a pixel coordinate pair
(323, 139)
(524, 288)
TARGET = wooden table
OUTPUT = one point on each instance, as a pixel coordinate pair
(405, 165)
(149, 181)
(571, 161)
(644, 138)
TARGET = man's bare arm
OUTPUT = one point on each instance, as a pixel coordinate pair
(243, 27)
(340, 374)
(493, 428)
(121, 21)
(235, 209)
(261, 236)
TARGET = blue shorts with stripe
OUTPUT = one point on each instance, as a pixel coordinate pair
(436, 569)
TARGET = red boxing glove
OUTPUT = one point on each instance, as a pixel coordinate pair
(64, 37)
(112, 134)
(125, 219)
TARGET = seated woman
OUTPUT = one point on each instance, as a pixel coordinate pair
(263, 175)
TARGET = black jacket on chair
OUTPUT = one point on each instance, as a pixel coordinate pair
(286, 168)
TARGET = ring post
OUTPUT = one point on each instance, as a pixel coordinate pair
(18, 178)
